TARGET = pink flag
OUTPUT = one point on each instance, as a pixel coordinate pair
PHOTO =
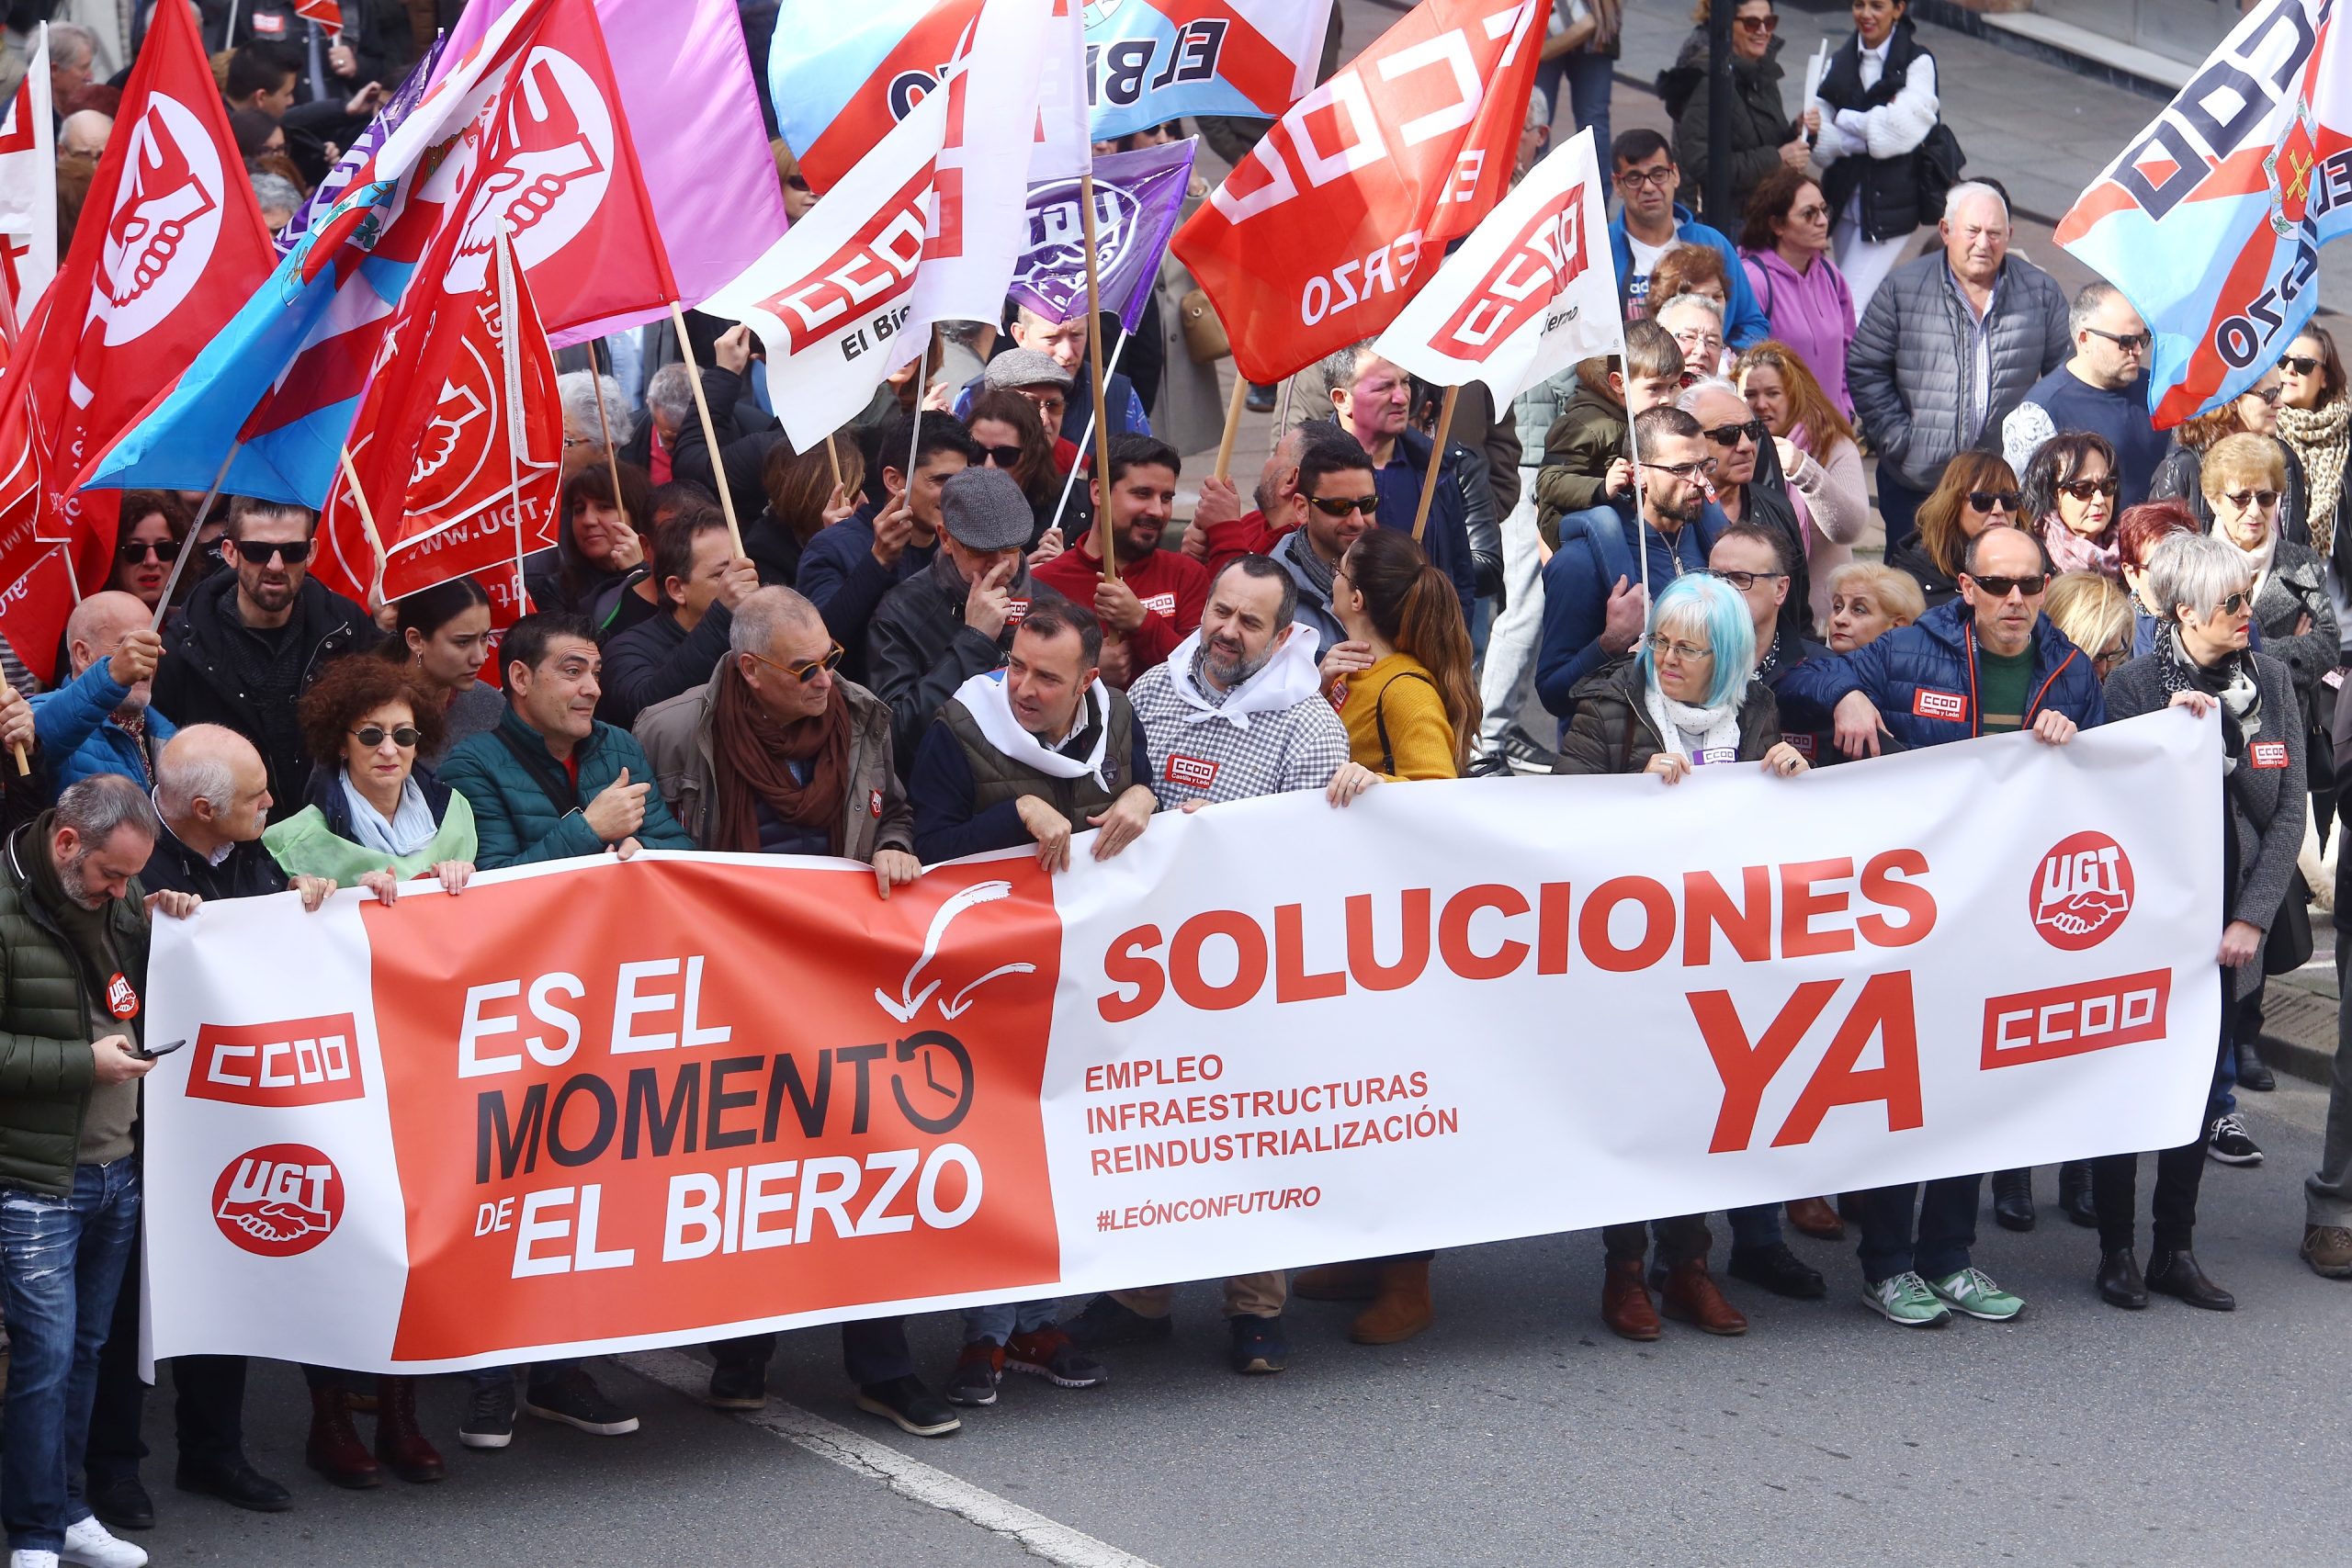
(693, 109)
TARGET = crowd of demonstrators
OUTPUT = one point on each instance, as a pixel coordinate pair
(2254, 411)
(1651, 223)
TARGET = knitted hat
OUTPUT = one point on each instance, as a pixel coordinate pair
(984, 510)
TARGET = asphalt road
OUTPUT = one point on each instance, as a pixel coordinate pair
(1517, 1430)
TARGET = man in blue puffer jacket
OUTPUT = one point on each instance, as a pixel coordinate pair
(99, 722)
(1987, 663)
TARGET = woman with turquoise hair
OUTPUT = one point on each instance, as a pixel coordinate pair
(1690, 700)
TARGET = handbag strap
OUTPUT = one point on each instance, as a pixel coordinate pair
(1380, 716)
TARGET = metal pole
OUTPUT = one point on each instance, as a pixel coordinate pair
(1716, 204)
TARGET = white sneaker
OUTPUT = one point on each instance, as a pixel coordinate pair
(88, 1545)
(24, 1557)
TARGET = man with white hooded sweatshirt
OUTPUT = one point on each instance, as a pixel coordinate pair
(1237, 710)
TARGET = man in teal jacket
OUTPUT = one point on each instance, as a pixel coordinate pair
(548, 784)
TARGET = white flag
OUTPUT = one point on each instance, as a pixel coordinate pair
(980, 219)
(28, 187)
(1531, 292)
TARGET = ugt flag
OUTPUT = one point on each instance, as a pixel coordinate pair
(1138, 197)
(1530, 293)
(1319, 236)
(2211, 221)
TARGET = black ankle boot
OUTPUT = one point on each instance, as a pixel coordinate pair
(2013, 1199)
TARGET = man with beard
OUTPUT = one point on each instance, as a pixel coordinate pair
(99, 722)
(1236, 711)
(1156, 600)
(74, 925)
(255, 639)
(1334, 500)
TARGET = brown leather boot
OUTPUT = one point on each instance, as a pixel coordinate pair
(1691, 1296)
(1625, 1303)
(1402, 1308)
(1815, 1217)
(335, 1450)
(1337, 1282)
(400, 1442)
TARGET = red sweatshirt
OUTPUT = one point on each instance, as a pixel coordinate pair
(1173, 587)
(1249, 535)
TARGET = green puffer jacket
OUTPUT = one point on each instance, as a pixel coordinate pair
(46, 1068)
(515, 787)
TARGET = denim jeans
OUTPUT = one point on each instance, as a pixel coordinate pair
(1755, 1228)
(996, 1323)
(65, 1259)
(1947, 1228)
(874, 1350)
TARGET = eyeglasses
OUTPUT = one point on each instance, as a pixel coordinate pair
(1685, 471)
(1341, 505)
(1729, 434)
(2083, 489)
(1689, 652)
(372, 736)
(258, 551)
(569, 441)
(2002, 587)
(1699, 343)
(2241, 499)
(2130, 342)
(1810, 211)
(2300, 363)
(1656, 179)
(130, 552)
(1743, 581)
(1001, 456)
(1989, 500)
(808, 670)
(1758, 24)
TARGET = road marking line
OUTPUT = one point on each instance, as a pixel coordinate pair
(909, 1478)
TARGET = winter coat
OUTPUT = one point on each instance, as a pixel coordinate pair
(676, 736)
(2181, 477)
(1589, 435)
(918, 649)
(46, 998)
(1613, 732)
(1878, 157)
(1534, 410)
(1760, 126)
(1922, 679)
(656, 659)
(1934, 586)
(2264, 804)
(1314, 601)
(527, 809)
(319, 839)
(1596, 549)
(78, 738)
(744, 433)
(2296, 586)
(1812, 311)
(1912, 372)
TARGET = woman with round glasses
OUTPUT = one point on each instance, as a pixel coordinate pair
(2254, 411)
(1690, 700)
(1978, 491)
(2202, 663)
(2315, 423)
(375, 817)
(2070, 489)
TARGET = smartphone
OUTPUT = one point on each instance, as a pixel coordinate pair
(151, 1053)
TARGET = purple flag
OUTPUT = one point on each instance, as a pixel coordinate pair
(388, 119)
(1138, 197)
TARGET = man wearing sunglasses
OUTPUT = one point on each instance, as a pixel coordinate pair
(101, 721)
(255, 638)
(1750, 488)
(1336, 500)
(2102, 388)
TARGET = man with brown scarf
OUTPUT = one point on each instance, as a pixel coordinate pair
(778, 754)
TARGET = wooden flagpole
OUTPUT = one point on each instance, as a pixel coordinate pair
(612, 457)
(1232, 423)
(833, 456)
(366, 521)
(179, 564)
(512, 355)
(1094, 367)
(709, 431)
(1069, 481)
(1437, 461)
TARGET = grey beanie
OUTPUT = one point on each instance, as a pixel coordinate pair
(1024, 368)
(985, 510)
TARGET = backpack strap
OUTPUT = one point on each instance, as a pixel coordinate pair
(1380, 716)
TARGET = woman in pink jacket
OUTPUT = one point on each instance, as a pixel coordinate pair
(1785, 248)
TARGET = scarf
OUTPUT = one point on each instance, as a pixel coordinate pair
(990, 705)
(409, 829)
(2230, 682)
(1319, 572)
(1717, 728)
(2072, 552)
(2259, 560)
(1287, 679)
(2320, 437)
(753, 747)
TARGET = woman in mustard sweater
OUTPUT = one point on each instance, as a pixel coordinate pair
(1406, 693)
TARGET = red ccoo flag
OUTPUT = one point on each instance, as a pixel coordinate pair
(1341, 212)
(171, 243)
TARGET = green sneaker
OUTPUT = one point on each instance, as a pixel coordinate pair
(1906, 1299)
(1970, 1291)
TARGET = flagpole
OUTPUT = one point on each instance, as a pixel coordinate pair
(179, 562)
(1282, 420)
(1095, 365)
(833, 456)
(1641, 545)
(512, 355)
(709, 431)
(1232, 422)
(1437, 461)
(914, 436)
(368, 524)
(612, 457)
(1069, 481)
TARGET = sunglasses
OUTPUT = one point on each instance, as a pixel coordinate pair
(1729, 434)
(1758, 24)
(1001, 456)
(1341, 505)
(2083, 489)
(130, 552)
(1986, 501)
(2299, 364)
(2130, 342)
(2241, 499)
(796, 181)
(372, 736)
(258, 551)
(2002, 587)
(2237, 602)
(2269, 395)
(809, 669)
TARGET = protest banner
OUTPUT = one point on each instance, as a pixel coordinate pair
(598, 1104)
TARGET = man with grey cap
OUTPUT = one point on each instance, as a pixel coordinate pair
(953, 619)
